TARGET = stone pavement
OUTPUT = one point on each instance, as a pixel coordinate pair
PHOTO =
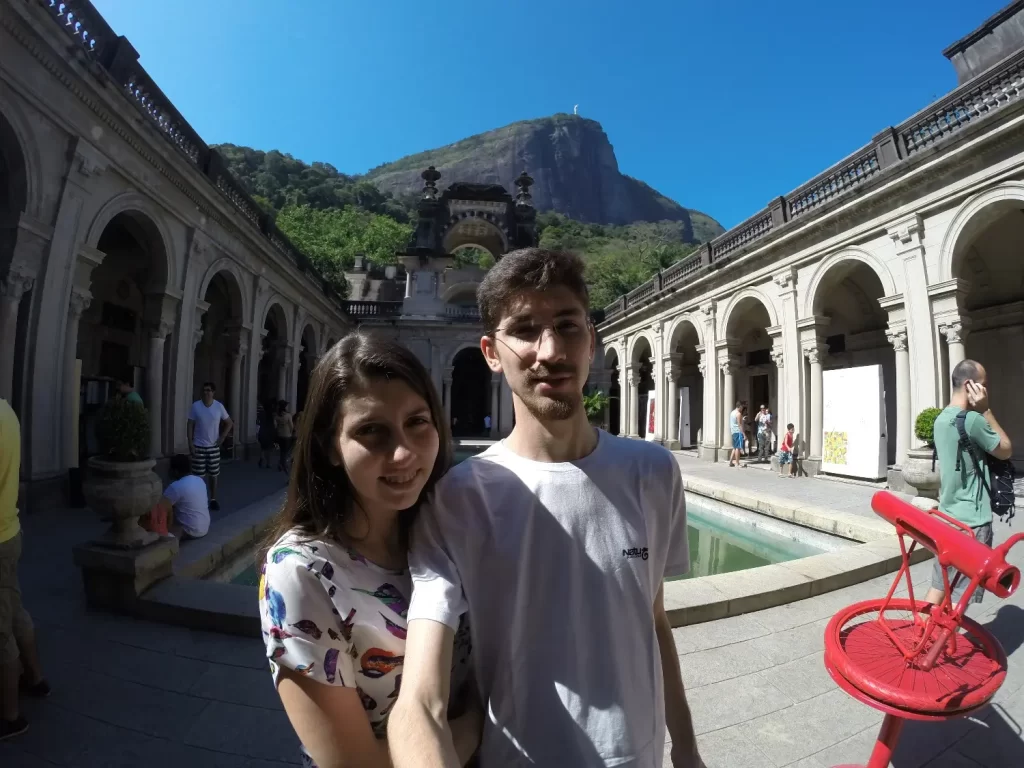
(131, 693)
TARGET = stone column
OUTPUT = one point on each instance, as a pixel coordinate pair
(448, 371)
(779, 425)
(955, 332)
(408, 283)
(898, 338)
(712, 404)
(672, 372)
(239, 349)
(155, 387)
(658, 376)
(633, 385)
(284, 362)
(728, 367)
(80, 301)
(12, 288)
(816, 355)
(623, 390)
(495, 403)
(702, 366)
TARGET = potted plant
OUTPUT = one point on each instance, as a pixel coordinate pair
(121, 485)
(919, 470)
(594, 404)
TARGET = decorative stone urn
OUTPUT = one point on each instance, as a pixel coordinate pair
(918, 472)
(122, 492)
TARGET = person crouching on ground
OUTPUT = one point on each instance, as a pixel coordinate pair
(335, 587)
(184, 501)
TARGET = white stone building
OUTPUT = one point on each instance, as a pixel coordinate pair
(907, 253)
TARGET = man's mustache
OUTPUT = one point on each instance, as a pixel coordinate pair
(547, 371)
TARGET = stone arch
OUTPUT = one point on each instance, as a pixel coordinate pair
(21, 159)
(477, 228)
(966, 216)
(847, 254)
(737, 299)
(634, 343)
(283, 316)
(611, 356)
(677, 326)
(458, 348)
(459, 291)
(149, 219)
(238, 284)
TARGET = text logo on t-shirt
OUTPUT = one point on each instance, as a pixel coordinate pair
(640, 552)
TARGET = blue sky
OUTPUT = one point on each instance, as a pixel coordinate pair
(721, 106)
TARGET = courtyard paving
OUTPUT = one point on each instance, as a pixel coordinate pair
(132, 693)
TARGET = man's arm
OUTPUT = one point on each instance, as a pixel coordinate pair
(418, 732)
(226, 425)
(677, 711)
(191, 429)
(1004, 449)
(977, 397)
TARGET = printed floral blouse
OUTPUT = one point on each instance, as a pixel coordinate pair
(332, 615)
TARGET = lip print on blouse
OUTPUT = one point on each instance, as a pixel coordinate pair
(377, 662)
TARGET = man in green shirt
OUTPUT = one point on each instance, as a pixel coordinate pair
(962, 494)
(127, 390)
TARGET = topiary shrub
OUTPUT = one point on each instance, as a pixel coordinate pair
(123, 431)
(924, 427)
(594, 404)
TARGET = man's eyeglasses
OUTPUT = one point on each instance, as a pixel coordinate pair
(527, 335)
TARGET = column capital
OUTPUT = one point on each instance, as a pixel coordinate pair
(956, 330)
(708, 309)
(816, 353)
(778, 357)
(449, 371)
(631, 377)
(702, 364)
(17, 283)
(160, 330)
(906, 232)
(238, 342)
(673, 366)
(786, 279)
(656, 331)
(729, 366)
(898, 338)
(80, 300)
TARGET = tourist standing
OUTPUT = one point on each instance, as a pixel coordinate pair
(786, 463)
(764, 433)
(17, 636)
(966, 433)
(208, 426)
(736, 433)
(285, 430)
(335, 588)
(487, 423)
(126, 390)
(555, 541)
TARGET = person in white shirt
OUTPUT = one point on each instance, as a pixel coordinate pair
(208, 426)
(555, 542)
(184, 501)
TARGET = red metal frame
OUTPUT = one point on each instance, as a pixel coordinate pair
(967, 668)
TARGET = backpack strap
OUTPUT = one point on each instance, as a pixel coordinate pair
(965, 445)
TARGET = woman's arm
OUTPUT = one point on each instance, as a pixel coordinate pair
(331, 723)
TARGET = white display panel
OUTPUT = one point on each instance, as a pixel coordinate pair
(854, 440)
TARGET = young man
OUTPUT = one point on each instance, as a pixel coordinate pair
(208, 426)
(962, 494)
(736, 433)
(127, 391)
(786, 465)
(17, 636)
(556, 542)
(184, 500)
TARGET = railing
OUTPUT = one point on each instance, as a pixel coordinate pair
(85, 25)
(454, 312)
(373, 308)
(973, 101)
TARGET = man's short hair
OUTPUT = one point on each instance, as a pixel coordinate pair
(528, 269)
(181, 465)
(739, 403)
(965, 370)
(211, 385)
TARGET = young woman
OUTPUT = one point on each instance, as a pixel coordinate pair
(284, 426)
(335, 585)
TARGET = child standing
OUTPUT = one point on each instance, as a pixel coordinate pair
(786, 465)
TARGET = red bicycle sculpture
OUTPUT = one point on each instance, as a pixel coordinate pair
(910, 659)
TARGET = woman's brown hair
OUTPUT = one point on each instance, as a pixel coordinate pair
(320, 498)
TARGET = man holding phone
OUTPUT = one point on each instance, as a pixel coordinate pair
(963, 493)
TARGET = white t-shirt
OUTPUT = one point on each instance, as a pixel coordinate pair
(331, 614)
(207, 419)
(191, 509)
(558, 566)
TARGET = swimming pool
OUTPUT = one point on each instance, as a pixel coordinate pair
(722, 538)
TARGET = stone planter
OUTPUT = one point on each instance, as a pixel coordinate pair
(121, 492)
(918, 472)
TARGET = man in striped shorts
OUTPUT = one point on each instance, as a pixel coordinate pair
(208, 426)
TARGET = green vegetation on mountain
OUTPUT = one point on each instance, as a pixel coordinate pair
(332, 216)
